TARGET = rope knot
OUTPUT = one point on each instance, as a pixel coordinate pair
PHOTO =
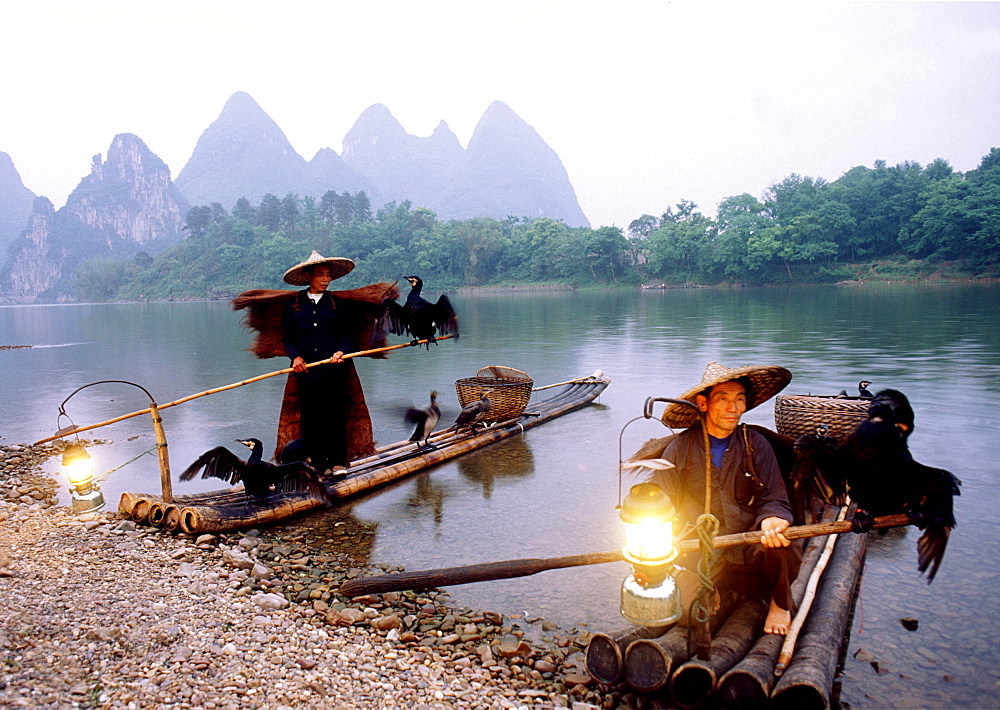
(707, 528)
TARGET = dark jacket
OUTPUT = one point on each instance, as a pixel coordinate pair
(315, 331)
(737, 502)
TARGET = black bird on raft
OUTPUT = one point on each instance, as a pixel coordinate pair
(874, 465)
(473, 413)
(425, 419)
(260, 478)
(419, 317)
(863, 389)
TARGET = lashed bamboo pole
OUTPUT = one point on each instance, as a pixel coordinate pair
(806, 683)
(606, 653)
(696, 680)
(567, 382)
(650, 662)
(748, 684)
(258, 378)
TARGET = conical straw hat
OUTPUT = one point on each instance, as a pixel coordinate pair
(761, 382)
(298, 275)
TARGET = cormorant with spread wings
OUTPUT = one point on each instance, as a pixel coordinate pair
(260, 478)
(419, 317)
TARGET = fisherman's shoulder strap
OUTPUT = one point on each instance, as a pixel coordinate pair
(749, 448)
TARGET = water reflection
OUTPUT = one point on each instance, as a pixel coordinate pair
(425, 496)
(510, 458)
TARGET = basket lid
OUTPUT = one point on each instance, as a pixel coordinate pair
(503, 373)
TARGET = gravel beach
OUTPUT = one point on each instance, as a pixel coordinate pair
(100, 613)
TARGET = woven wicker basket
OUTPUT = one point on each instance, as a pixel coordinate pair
(510, 391)
(798, 414)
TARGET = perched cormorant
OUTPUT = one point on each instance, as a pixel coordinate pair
(473, 412)
(425, 419)
(874, 465)
(419, 317)
(260, 478)
(863, 389)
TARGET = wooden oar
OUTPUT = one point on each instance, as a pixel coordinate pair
(507, 569)
(598, 373)
(284, 371)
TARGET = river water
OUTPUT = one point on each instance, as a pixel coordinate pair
(553, 491)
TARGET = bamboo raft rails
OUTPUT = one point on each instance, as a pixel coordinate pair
(222, 511)
(748, 668)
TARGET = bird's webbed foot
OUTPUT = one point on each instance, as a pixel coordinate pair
(862, 522)
(919, 519)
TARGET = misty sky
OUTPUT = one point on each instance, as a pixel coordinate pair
(647, 103)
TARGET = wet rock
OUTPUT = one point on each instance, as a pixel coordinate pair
(384, 623)
(269, 601)
(237, 559)
(864, 655)
(511, 647)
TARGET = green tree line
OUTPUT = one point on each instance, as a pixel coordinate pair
(802, 229)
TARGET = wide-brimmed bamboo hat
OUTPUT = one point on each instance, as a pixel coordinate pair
(762, 383)
(298, 275)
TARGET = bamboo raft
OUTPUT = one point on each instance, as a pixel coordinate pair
(222, 511)
(748, 668)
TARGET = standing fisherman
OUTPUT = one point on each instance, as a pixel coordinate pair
(312, 325)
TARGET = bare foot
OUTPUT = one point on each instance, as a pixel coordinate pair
(778, 620)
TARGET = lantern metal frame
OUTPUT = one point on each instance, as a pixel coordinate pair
(161, 437)
(650, 595)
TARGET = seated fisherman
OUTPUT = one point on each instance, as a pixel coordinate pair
(748, 492)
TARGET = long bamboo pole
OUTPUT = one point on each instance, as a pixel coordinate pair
(526, 567)
(258, 378)
(788, 646)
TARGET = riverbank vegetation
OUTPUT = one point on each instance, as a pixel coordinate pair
(899, 222)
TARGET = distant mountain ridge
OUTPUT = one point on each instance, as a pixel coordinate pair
(15, 204)
(508, 168)
(243, 153)
(129, 203)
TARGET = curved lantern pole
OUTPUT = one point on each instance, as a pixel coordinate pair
(84, 487)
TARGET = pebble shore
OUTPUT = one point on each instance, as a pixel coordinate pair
(101, 613)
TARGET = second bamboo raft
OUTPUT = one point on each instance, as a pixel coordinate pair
(222, 511)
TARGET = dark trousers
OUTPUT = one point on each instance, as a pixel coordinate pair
(323, 416)
(768, 575)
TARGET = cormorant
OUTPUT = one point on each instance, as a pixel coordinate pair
(260, 478)
(863, 389)
(474, 412)
(874, 465)
(418, 316)
(425, 419)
